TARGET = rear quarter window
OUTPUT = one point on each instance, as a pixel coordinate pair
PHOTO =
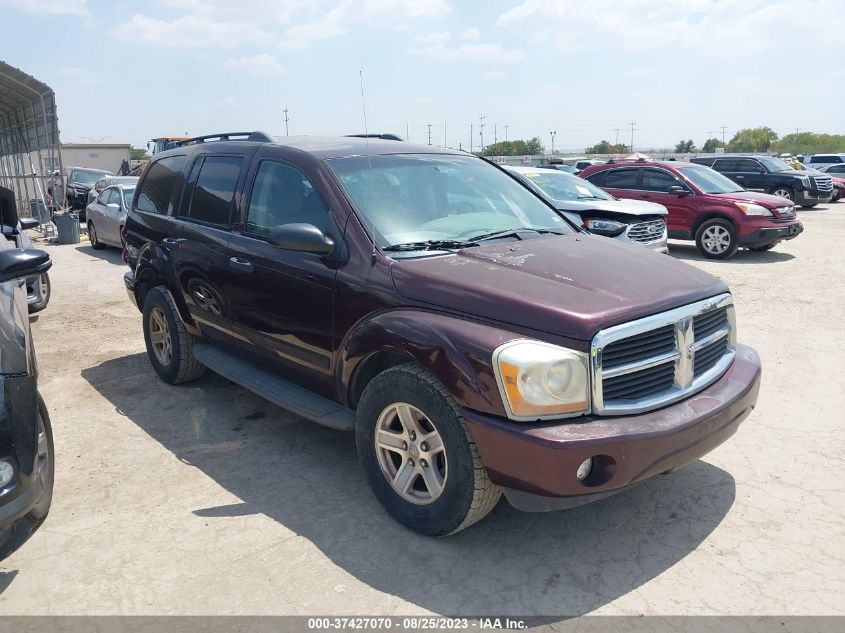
(156, 190)
(211, 189)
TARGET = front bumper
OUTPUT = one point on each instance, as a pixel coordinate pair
(770, 235)
(813, 196)
(536, 463)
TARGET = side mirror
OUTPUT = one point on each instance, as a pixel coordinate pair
(301, 237)
(29, 223)
(23, 263)
(678, 190)
(113, 206)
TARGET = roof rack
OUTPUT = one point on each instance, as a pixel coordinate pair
(258, 137)
(383, 136)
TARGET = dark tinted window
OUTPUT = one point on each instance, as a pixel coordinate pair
(726, 164)
(827, 159)
(837, 169)
(157, 187)
(597, 178)
(282, 195)
(214, 189)
(658, 180)
(747, 165)
(621, 179)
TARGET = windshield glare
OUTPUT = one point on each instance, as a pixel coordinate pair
(775, 164)
(86, 177)
(563, 186)
(709, 180)
(422, 197)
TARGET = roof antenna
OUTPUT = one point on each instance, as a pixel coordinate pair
(369, 163)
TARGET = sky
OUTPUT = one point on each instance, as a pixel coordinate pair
(678, 69)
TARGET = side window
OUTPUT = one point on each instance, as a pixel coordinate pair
(597, 178)
(157, 188)
(658, 180)
(282, 194)
(748, 166)
(823, 159)
(621, 179)
(838, 169)
(726, 165)
(214, 190)
(103, 198)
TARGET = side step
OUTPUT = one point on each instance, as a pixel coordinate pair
(277, 390)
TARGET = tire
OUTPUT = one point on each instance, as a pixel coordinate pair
(809, 206)
(169, 344)
(767, 247)
(92, 235)
(14, 536)
(717, 239)
(466, 495)
(784, 192)
(38, 306)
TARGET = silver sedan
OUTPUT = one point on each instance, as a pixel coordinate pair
(106, 216)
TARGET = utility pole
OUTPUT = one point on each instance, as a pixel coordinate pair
(481, 132)
(617, 135)
(633, 128)
(724, 129)
(444, 134)
(286, 121)
(495, 133)
(470, 138)
(709, 134)
(407, 133)
(506, 132)
(553, 134)
(429, 133)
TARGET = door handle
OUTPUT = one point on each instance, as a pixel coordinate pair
(739, 177)
(238, 263)
(645, 195)
(170, 242)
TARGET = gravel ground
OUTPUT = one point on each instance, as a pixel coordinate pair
(204, 499)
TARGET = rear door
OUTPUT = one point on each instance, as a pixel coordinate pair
(198, 245)
(623, 182)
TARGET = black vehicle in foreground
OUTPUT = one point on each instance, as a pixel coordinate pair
(26, 438)
(14, 230)
(768, 174)
(80, 180)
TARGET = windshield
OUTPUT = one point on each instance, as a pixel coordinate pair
(427, 197)
(127, 197)
(709, 180)
(86, 177)
(563, 186)
(775, 164)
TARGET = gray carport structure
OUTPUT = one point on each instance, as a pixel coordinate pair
(30, 150)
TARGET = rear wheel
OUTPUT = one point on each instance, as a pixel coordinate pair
(717, 239)
(418, 456)
(169, 344)
(92, 235)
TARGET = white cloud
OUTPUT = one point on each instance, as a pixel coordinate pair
(471, 34)
(438, 45)
(193, 30)
(496, 75)
(260, 65)
(50, 7)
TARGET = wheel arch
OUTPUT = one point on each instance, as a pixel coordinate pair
(152, 270)
(713, 215)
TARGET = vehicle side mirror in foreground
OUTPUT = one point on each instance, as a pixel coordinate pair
(23, 263)
(29, 223)
(301, 237)
(677, 190)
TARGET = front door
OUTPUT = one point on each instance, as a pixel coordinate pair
(751, 174)
(282, 300)
(655, 188)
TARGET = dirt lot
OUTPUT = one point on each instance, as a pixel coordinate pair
(204, 499)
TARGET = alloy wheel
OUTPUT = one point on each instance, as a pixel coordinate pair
(411, 453)
(716, 240)
(784, 193)
(160, 336)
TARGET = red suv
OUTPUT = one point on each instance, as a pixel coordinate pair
(703, 204)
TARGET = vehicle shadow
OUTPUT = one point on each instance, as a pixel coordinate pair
(307, 478)
(109, 254)
(688, 252)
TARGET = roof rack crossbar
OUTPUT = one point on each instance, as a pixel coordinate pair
(258, 137)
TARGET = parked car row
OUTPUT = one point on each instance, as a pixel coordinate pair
(473, 338)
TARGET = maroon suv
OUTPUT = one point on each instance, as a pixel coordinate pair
(703, 205)
(473, 340)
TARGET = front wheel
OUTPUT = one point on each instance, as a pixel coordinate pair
(169, 344)
(717, 239)
(38, 306)
(784, 192)
(418, 456)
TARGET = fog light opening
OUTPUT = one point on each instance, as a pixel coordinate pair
(584, 469)
(7, 472)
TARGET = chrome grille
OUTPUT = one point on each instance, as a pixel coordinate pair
(649, 231)
(823, 183)
(651, 362)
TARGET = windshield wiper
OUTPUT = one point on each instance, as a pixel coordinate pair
(511, 233)
(430, 245)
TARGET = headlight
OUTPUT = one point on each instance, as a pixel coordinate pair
(805, 180)
(753, 209)
(604, 227)
(540, 380)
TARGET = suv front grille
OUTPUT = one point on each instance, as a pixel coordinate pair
(823, 183)
(647, 231)
(652, 362)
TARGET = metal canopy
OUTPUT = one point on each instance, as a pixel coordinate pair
(29, 139)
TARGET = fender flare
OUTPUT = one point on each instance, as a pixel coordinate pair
(154, 268)
(457, 351)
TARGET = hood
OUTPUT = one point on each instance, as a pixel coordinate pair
(628, 207)
(808, 173)
(764, 199)
(569, 285)
(79, 185)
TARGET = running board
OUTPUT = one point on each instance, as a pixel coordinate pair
(277, 390)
